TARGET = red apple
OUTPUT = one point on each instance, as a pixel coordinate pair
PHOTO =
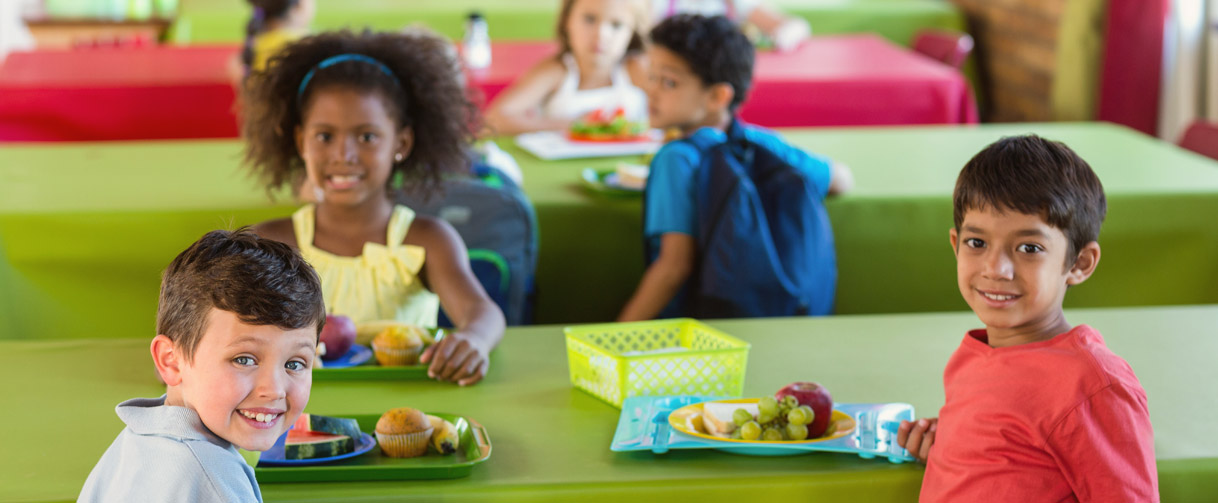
(338, 335)
(815, 396)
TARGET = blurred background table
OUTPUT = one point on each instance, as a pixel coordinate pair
(123, 93)
(551, 441)
(174, 92)
(849, 80)
(85, 229)
(68, 33)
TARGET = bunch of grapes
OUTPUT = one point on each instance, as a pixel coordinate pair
(775, 420)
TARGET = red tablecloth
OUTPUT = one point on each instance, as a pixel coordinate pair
(185, 92)
(828, 81)
(117, 94)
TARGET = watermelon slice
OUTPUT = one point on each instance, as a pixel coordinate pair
(327, 424)
(302, 444)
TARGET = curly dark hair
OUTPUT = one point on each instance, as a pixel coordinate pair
(426, 93)
(262, 281)
(715, 49)
(1035, 176)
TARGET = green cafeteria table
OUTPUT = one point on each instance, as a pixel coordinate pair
(211, 21)
(85, 229)
(550, 442)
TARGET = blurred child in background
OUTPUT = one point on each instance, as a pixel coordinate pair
(273, 25)
(784, 31)
(701, 69)
(599, 66)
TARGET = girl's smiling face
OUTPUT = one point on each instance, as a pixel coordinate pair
(349, 141)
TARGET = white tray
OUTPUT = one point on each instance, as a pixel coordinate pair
(552, 145)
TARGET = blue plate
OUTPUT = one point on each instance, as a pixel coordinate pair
(274, 455)
(605, 181)
(357, 355)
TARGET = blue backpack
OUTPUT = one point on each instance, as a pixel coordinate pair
(765, 244)
(497, 223)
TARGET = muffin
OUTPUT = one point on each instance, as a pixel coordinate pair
(403, 432)
(398, 345)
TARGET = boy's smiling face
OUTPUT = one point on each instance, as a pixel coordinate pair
(241, 372)
(1012, 270)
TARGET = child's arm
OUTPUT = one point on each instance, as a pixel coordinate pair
(663, 278)
(518, 108)
(463, 355)
(787, 32)
(841, 179)
(917, 437)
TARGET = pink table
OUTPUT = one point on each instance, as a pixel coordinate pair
(186, 92)
(117, 94)
(829, 81)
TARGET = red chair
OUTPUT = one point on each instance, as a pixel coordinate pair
(1201, 137)
(947, 47)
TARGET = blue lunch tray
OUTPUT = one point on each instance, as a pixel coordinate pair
(643, 426)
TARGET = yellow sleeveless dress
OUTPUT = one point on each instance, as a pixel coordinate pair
(380, 284)
(269, 43)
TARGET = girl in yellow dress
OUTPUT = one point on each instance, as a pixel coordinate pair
(354, 115)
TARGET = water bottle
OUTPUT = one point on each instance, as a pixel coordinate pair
(476, 48)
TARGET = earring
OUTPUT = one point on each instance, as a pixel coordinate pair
(398, 157)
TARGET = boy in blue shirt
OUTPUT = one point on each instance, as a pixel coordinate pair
(701, 69)
(238, 322)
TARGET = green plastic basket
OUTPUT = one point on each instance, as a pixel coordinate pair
(615, 361)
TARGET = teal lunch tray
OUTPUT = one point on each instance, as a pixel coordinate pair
(643, 426)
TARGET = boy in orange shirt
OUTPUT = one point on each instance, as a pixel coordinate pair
(1036, 410)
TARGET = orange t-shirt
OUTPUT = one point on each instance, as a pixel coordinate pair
(1057, 420)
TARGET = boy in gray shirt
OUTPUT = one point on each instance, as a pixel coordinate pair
(237, 324)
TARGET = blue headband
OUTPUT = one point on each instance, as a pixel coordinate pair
(334, 60)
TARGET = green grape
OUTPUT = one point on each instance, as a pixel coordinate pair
(736, 434)
(741, 416)
(750, 431)
(811, 413)
(790, 401)
(798, 416)
(797, 431)
(766, 417)
(767, 404)
(772, 434)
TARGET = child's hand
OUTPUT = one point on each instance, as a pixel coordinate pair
(457, 358)
(917, 437)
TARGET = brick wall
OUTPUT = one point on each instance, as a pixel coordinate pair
(1019, 44)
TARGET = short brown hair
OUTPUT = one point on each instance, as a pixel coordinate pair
(639, 10)
(1035, 176)
(263, 282)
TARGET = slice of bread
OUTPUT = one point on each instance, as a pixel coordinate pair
(717, 417)
(632, 176)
